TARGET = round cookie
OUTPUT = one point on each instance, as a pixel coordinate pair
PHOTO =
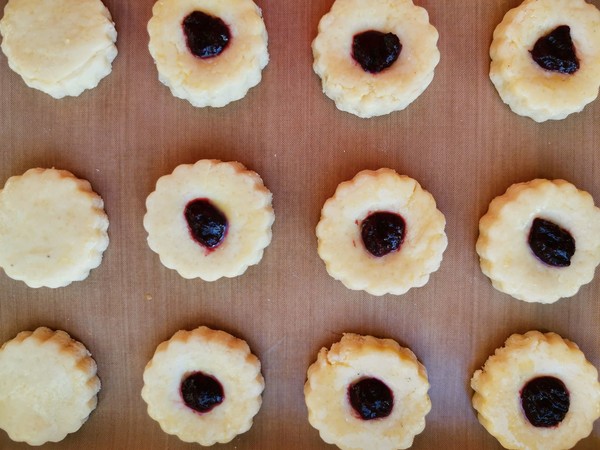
(209, 52)
(53, 228)
(48, 386)
(367, 393)
(375, 56)
(538, 392)
(381, 233)
(209, 220)
(61, 47)
(203, 386)
(539, 241)
(546, 58)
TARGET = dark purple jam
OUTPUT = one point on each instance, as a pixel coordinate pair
(206, 36)
(383, 233)
(551, 244)
(556, 51)
(207, 224)
(201, 392)
(371, 398)
(545, 401)
(375, 51)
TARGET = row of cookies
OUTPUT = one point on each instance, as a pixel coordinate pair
(373, 57)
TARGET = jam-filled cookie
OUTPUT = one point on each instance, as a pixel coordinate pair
(538, 392)
(209, 52)
(375, 56)
(61, 47)
(53, 228)
(381, 233)
(539, 241)
(546, 58)
(48, 386)
(367, 393)
(203, 386)
(209, 220)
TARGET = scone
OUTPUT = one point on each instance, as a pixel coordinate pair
(375, 56)
(381, 233)
(209, 52)
(53, 228)
(538, 392)
(539, 241)
(61, 47)
(367, 393)
(48, 386)
(203, 386)
(209, 220)
(546, 58)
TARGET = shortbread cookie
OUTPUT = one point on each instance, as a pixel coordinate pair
(209, 52)
(538, 392)
(367, 393)
(209, 220)
(61, 47)
(53, 228)
(203, 386)
(539, 241)
(48, 386)
(381, 233)
(375, 56)
(546, 58)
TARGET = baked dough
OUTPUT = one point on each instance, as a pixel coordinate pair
(53, 228)
(358, 357)
(506, 257)
(48, 386)
(61, 47)
(366, 94)
(526, 87)
(213, 353)
(214, 81)
(341, 246)
(522, 359)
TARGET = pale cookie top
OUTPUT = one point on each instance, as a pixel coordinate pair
(203, 386)
(48, 386)
(538, 392)
(53, 228)
(340, 388)
(60, 47)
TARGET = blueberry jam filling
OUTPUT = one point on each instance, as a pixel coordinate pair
(207, 224)
(383, 233)
(545, 401)
(375, 51)
(206, 36)
(371, 398)
(551, 244)
(201, 392)
(556, 51)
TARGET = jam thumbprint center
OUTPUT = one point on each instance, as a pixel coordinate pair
(206, 36)
(375, 51)
(383, 233)
(545, 401)
(556, 52)
(551, 244)
(201, 392)
(371, 398)
(206, 223)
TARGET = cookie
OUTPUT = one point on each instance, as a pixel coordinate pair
(375, 56)
(367, 393)
(203, 386)
(546, 58)
(53, 228)
(48, 386)
(381, 233)
(209, 52)
(61, 47)
(538, 392)
(539, 241)
(209, 220)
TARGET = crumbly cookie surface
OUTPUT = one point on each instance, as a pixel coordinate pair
(523, 358)
(53, 228)
(48, 386)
